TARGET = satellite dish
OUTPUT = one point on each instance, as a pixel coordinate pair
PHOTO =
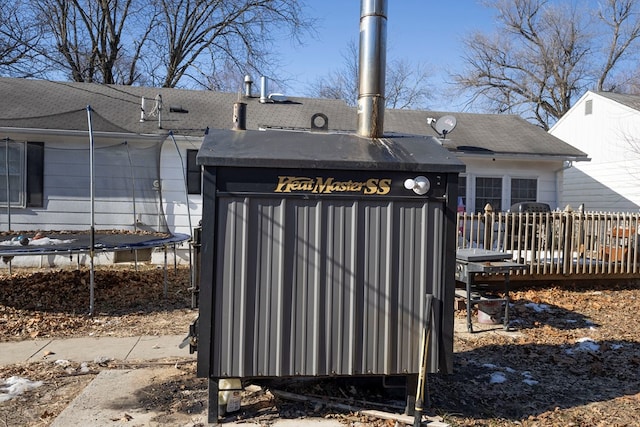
(444, 125)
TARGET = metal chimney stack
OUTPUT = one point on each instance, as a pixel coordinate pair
(372, 65)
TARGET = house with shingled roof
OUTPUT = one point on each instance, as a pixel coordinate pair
(606, 126)
(146, 141)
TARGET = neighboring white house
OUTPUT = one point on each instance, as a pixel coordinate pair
(606, 126)
(507, 159)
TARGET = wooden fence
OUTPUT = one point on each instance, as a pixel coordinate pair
(557, 243)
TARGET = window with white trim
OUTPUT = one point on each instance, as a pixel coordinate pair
(13, 173)
(524, 190)
(488, 190)
(21, 173)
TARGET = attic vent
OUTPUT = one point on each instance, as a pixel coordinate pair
(473, 149)
(177, 109)
(588, 107)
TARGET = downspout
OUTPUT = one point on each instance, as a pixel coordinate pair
(567, 164)
(372, 65)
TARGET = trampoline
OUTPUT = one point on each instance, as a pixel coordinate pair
(76, 242)
(112, 185)
(80, 242)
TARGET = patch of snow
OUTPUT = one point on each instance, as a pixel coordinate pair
(616, 346)
(584, 344)
(101, 360)
(49, 241)
(497, 378)
(490, 366)
(538, 308)
(15, 386)
(528, 378)
(36, 242)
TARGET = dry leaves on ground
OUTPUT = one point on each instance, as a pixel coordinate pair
(573, 357)
(56, 303)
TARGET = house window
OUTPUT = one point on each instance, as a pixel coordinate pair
(488, 190)
(23, 180)
(462, 192)
(12, 173)
(35, 174)
(524, 190)
(194, 173)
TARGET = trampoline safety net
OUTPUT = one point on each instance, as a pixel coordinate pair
(127, 190)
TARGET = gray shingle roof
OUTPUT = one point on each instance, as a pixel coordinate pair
(632, 101)
(42, 104)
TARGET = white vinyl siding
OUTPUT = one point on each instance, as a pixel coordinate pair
(183, 211)
(610, 136)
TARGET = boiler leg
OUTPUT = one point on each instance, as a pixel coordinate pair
(213, 401)
(412, 386)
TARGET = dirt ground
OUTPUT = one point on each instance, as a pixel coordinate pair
(573, 358)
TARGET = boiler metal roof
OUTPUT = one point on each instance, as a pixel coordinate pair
(325, 150)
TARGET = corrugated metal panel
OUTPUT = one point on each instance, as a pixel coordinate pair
(323, 286)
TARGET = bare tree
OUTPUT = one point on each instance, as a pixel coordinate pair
(197, 36)
(341, 83)
(158, 42)
(96, 40)
(546, 54)
(624, 29)
(406, 86)
(18, 32)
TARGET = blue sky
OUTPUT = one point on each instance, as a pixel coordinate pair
(422, 31)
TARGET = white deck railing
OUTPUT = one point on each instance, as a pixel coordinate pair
(558, 243)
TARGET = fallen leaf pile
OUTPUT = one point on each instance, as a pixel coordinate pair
(56, 303)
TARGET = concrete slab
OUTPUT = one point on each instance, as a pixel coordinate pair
(109, 399)
(112, 398)
(158, 347)
(320, 422)
(89, 349)
(22, 351)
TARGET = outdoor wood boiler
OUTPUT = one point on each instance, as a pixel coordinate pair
(316, 258)
(319, 249)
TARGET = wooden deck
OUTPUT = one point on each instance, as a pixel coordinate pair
(558, 245)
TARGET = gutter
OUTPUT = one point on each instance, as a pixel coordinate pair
(521, 156)
(80, 133)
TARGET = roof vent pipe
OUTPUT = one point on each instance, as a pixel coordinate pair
(263, 90)
(372, 64)
(247, 85)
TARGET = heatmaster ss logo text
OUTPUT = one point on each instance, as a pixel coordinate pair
(319, 185)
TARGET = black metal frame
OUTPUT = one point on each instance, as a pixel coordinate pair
(483, 262)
